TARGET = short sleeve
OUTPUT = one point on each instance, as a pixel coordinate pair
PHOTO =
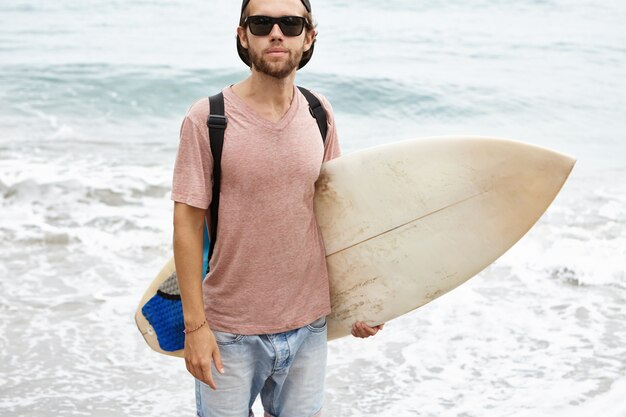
(193, 172)
(332, 149)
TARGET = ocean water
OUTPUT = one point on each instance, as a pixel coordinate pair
(92, 94)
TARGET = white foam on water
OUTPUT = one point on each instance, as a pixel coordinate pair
(608, 404)
(576, 255)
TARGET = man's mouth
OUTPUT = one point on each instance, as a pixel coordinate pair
(276, 51)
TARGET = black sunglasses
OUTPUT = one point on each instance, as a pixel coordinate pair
(289, 25)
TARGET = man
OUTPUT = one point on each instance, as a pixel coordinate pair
(259, 316)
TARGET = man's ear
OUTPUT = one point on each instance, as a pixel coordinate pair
(309, 38)
(243, 36)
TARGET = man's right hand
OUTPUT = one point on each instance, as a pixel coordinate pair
(200, 350)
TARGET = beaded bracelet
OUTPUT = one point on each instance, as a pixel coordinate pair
(190, 331)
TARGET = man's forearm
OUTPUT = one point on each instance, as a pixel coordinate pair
(188, 260)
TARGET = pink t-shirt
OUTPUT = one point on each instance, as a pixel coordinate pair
(268, 270)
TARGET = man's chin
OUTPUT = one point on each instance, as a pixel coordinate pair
(279, 67)
(279, 71)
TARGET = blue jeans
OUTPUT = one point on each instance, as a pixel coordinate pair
(287, 369)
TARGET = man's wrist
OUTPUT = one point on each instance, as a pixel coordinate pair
(193, 321)
(192, 329)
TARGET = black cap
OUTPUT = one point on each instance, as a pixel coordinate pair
(243, 52)
(306, 3)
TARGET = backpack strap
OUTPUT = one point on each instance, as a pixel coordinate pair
(317, 110)
(216, 123)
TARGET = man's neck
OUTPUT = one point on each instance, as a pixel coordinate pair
(269, 96)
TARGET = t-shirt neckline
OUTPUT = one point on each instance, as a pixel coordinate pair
(230, 95)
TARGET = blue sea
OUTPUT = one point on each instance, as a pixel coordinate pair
(92, 94)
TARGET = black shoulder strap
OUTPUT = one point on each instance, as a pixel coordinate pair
(216, 123)
(317, 111)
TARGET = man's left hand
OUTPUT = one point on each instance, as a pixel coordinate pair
(360, 329)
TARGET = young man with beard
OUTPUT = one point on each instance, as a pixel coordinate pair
(256, 325)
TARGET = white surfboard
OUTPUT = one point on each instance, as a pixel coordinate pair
(406, 222)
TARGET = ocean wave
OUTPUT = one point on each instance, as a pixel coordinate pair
(572, 256)
(103, 92)
(401, 99)
(611, 277)
(41, 237)
(30, 190)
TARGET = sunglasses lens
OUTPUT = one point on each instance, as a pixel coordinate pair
(289, 25)
(260, 25)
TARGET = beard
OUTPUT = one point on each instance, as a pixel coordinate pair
(278, 70)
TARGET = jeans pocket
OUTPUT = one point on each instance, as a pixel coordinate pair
(225, 338)
(318, 325)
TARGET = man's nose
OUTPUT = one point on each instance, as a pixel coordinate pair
(276, 32)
